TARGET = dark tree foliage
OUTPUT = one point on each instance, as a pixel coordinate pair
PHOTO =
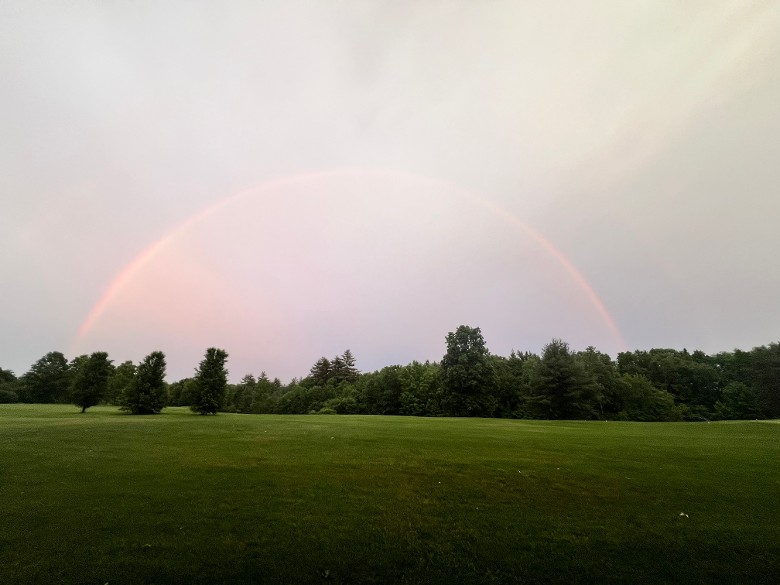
(642, 385)
(320, 372)
(180, 393)
(9, 387)
(513, 384)
(603, 381)
(6, 376)
(253, 395)
(238, 397)
(765, 378)
(738, 402)
(562, 388)
(468, 375)
(210, 382)
(120, 380)
(339, 369)
(75, 366)
(420, 389)
(305, 399)
(639, 400)
(343, 368)
(688, 378)
(381, 391)
(90, 380)
(654, 385)
(48, 380)
(146, 393)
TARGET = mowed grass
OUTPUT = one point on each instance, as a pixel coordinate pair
(104, 497)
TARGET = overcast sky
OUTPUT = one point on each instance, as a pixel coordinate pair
(290, 179)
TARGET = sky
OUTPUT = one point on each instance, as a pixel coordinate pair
(287, 180)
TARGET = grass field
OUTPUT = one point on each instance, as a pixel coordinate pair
(104, 497)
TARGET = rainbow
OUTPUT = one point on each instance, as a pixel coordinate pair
(145, 256)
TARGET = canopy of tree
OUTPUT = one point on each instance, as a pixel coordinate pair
(651, 385)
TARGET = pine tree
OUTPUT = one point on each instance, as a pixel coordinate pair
(210, 382)
(321, 371)
(337, 369)
(351, 373)
(562, 388)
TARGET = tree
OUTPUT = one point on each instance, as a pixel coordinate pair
(468, 376)
(603, 374)
(380, 392)
(90, 380)
(48, 379)
(343, 368)
(119, 382)
(320, 372)
(420, 389)
(738, 401)
(9, 387)
(146, 393)
(210, 382)
(690, 379)
(641, 401)
(180, 393)
(562, 389)
(765, 378)
(240, 399)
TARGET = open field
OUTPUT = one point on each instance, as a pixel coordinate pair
(104, 497)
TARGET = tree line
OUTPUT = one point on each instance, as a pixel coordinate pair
(560, 383)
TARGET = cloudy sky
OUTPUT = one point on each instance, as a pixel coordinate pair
(291, 179)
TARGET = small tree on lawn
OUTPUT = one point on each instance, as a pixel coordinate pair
(90, 381)
(145, 394)
(210, 382)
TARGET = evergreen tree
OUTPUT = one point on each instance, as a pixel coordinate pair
(320, 372)
(210, 382)
(351, 373)
(146, 393)
(243, 394)
(562, 389)
(337, 369)
(90, 380)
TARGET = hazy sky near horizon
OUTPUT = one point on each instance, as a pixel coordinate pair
(291, 179)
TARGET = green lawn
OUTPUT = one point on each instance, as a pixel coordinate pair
(104, 497)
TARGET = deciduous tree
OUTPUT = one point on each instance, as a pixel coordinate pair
(48, 379)
(468, 375)
(146, 393)
(90, 380)
(9, 387)
(120, 380)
